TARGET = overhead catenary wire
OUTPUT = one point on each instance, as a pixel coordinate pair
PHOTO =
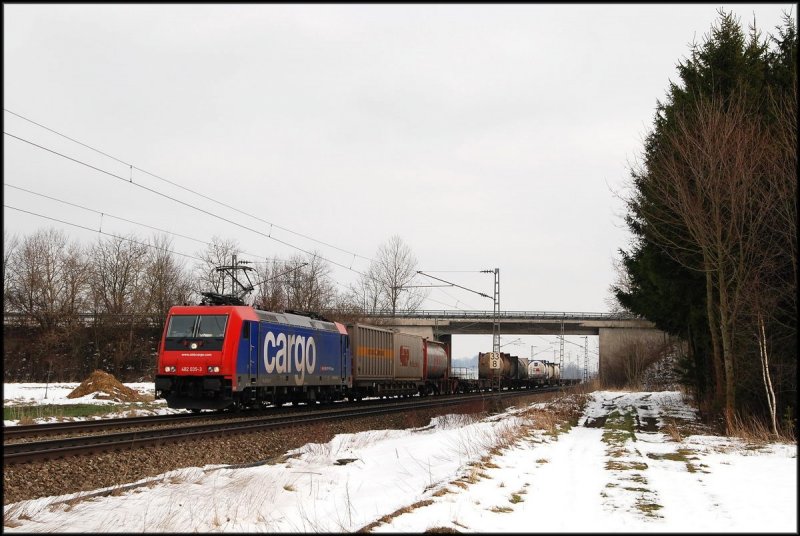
(99, 231)
(108, 215)
(145, 244)
(459, 286)
(457, 301)
(595, 352)
(132, 167)
(156, 192)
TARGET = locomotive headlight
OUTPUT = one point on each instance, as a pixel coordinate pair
(193, 346)
(213, 369)
(169, 369)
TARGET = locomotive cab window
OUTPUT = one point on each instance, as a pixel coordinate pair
(211, 325)
(196, 332)
(181, 326)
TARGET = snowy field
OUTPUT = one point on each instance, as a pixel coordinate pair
(574, 481)
(39, 394)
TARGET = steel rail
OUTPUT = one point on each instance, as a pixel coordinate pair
(28, 430)
(41, 450)
(100, 425)
(32, 430)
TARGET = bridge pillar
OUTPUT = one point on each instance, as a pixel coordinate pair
(447, 339)
(618, 346)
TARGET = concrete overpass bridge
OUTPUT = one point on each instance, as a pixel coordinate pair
(616, 331)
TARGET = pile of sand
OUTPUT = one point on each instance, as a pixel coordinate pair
(104, 386)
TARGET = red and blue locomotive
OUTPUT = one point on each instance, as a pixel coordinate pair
(216, 356)
(221, 356)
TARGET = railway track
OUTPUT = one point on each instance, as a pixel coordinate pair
(15, 453)
(103, 425)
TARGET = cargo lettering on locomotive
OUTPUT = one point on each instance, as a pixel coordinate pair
(295, 354)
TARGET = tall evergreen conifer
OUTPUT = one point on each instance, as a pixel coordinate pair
(668, 280)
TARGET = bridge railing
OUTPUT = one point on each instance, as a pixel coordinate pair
(546, 315)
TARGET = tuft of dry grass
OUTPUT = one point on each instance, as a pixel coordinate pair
(400, 511)
(755, 430)
(649, 509)
(457, 420)
(544, 419)
(589, 387)
(673, 431)
(12, 516)
(625, 466)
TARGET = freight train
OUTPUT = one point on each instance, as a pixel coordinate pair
(544, 372)
(513, 373)
(234, 356)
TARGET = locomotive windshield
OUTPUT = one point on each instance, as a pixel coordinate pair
(201, 327)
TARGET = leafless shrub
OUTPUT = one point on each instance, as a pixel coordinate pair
(755, 430)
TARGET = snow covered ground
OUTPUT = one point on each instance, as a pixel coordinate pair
(464, 474)
(39, 394)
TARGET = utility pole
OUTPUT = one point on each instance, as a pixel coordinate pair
(561, 358)
(585, 359)
(496, 313)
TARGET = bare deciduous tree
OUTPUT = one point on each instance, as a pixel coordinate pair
(118, 269)
(633, 357)
(166, 282)
(46, 278)
(119, 296)
(784, 189)
(621, 282)
(269, 293)
(366, 294)
(709, 178)
(307, 283)
(10, 244)
(395, 267)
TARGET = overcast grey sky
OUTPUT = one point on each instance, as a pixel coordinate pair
(483, 135)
